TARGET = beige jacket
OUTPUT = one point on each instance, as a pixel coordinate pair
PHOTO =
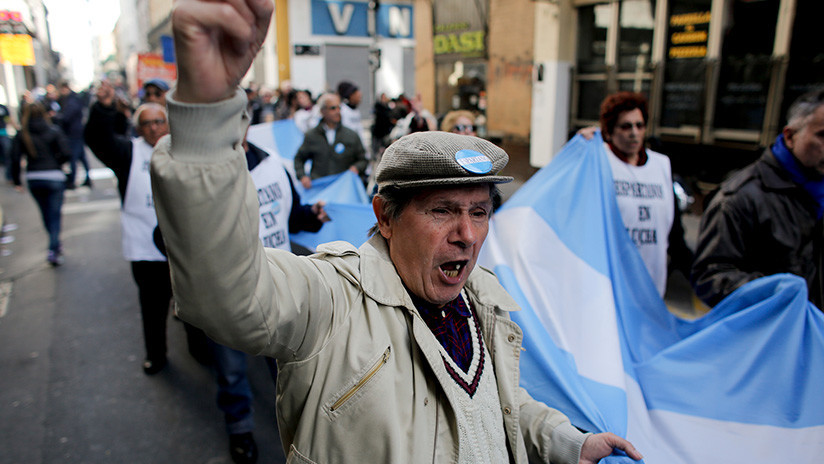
(354, 382)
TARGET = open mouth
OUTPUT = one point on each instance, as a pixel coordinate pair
(453, 269)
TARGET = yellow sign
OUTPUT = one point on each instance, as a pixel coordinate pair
(690, 19)
(691, 42)
(468, 43)
(17, 49)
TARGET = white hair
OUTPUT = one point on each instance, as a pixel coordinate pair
(803, 108)
(140, 109)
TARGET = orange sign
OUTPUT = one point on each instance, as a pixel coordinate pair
(151, 66)
(16, 49)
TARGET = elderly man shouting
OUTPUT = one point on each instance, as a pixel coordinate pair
(398, 351)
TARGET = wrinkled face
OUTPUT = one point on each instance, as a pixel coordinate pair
(807, 143)
(464, 125)
(330, 111)
(152, 125)
(434, 243)
(629, 132)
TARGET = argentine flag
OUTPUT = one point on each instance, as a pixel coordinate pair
(742, 384)
(347, 203)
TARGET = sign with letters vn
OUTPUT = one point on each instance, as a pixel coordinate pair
(351, 19)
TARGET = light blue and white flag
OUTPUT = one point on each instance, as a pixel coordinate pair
(282, 137)
(347, 205)
(743, 383)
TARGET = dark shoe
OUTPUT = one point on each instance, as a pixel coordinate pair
(55, 258)
(88, 182)
(153, 367)
(242, 448)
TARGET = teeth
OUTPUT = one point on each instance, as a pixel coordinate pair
(453, 272)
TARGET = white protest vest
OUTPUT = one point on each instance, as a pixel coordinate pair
(138, 218)
(275, 199)
(645, 199)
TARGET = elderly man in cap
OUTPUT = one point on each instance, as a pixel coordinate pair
(397, 351)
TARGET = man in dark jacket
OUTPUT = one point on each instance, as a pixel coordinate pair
(767, 218)
(71, 121)
(332, 147)
(142, 245)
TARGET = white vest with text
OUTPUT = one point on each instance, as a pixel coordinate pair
(275, 199)
(645, 199)
(138, 218)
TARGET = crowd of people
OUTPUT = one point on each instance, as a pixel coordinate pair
(406, 318)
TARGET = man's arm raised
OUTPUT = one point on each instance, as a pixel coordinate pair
(215, 43)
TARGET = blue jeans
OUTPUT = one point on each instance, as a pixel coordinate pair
(49, 197)
(234, 394)
(5, 154)
(78, 152)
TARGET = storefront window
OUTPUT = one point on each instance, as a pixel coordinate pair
(590, 96)
(593, 22)
(635, 36)
(806, 68)
(685, 69)
(461, 85)
(744, 78)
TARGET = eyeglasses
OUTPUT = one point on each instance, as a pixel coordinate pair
(628, 125)
(149, 122)
(154, 93)
(463, 128)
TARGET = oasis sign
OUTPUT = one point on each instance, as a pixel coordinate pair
(456, 38)
(351, 19)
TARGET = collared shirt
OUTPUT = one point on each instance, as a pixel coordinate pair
(330, 133)
(449, 325)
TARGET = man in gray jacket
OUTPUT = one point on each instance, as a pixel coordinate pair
(332, 147)
(397, 351)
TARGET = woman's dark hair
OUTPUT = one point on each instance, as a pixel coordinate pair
(29, 112)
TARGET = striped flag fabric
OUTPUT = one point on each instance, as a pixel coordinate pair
(742, 383)
(347, 205)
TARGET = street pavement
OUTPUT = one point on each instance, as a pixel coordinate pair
(71, 385)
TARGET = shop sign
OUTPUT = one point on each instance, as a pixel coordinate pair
(16, 45)
(453, 39)
(351, 19)
(17, 49)
(152, 66)
(688, 35)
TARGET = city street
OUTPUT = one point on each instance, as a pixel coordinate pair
(72, 389)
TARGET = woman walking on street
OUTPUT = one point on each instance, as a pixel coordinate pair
(45, 149)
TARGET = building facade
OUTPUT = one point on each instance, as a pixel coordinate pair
(719, 74)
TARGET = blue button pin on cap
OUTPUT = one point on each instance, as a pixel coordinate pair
(474, 161)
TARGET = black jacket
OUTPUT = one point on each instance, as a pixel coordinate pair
(49, 142)
(759, 223)
(107, 143)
